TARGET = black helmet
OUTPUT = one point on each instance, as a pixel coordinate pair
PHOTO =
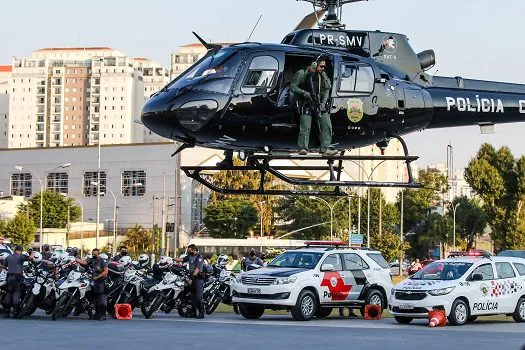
(72, 251)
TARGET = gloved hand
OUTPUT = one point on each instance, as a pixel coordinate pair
(307, 96)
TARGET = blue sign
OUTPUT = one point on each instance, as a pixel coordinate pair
(356, 239)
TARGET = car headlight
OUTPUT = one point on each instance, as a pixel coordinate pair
(392, 291)
(442, 291)
(285, 280)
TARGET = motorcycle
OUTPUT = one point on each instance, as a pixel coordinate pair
(165, 294)
(221, 291)
(43, 294)
(132, 288)
(75, 292)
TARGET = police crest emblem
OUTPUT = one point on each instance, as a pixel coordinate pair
(354, 110)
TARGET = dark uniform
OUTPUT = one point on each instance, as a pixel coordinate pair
(98, 265)
(252, 260)
(117, 258)
(196, 262)
(14, 264)
(302, 84)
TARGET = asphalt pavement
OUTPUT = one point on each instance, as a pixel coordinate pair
(230, 331)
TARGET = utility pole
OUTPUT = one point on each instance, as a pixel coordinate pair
(153, 232)
(177, 220)
(380, 214)
(402, 257)
(163, 235)
(68, 226)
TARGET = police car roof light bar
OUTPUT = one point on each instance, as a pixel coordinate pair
(471, 253)
(324, 243)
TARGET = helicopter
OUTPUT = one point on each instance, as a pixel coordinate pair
(238, 98)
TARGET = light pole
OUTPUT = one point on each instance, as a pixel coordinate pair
(454, 227)
(98, 184)
(401, 258)
(331, 213)
(81, 222)
(21, 168)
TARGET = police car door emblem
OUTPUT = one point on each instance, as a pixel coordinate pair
(333, 281)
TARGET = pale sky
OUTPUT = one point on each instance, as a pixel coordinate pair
(478, 39)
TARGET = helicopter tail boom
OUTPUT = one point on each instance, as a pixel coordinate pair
(463, 102)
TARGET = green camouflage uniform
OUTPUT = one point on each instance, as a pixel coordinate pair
(323, 121)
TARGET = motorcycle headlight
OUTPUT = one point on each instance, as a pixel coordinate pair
(40, 280)
(442, 291)
(285, 280)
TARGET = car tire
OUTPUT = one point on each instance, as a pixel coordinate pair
(374, 297)
(304, 308)
(251, 312)
(519, 312)
(323, 312)
(403, 319)
(459, 313)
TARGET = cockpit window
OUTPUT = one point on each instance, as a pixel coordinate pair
(356, 78)
(214, 73)
(261, 75)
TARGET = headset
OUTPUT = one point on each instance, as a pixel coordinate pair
(313, 65)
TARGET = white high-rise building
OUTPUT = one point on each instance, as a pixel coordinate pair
(73, 97)
(5, 79)
(155, 78)
(188, 55)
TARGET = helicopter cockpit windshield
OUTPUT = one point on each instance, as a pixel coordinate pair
(214, 73)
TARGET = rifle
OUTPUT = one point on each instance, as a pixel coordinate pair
(315, 104)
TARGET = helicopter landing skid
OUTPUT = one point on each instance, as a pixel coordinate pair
(261, 163)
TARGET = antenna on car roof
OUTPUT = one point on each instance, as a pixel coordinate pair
(255, 26)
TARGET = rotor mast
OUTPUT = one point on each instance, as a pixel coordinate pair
(334, 9)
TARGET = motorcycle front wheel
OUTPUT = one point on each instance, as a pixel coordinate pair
(148, 309)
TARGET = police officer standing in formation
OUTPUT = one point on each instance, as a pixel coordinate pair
(123, 252)
(46, 252)
(196, 265)
(15, 268)
(99, 268)
(312, 88)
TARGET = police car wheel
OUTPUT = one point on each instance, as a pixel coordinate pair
(251, 312)
(305, 307)
(459, 313)
(403, 319)
(519, 312)
(373, 297)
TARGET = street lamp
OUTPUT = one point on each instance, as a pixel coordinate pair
(331, 213)
(81, 222)
(21, 168)
(454, 229)
(98, 184)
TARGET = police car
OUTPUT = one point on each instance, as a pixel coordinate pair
(466, 285)
(312, 280)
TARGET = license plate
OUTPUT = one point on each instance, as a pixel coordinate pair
(406, 306)
(254, 291)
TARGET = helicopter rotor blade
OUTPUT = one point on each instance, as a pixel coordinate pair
(310, 20)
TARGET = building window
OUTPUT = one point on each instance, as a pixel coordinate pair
(133, 183)
(21, 185)
(92, 176)
(58, 182)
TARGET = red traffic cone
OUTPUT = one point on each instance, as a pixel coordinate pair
(123, 311)
(372, 312)
(437, 318)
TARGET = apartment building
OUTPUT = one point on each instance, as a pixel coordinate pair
(5, 79)
(73, 97)
(155, 78)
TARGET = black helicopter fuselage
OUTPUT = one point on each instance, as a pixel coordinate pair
(239, 98)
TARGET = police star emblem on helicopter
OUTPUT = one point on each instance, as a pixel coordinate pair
(354, 109)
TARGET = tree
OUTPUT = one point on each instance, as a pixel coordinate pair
(230, 218)
(137, 239)
(55, 208)
(20, 230)
(390, 246)
(470, 219)
(499, 179)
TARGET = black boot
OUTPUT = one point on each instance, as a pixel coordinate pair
(96, 316)
(7, 312)
(227, 162)
(102, 316)
(200, 310)
(16, 312)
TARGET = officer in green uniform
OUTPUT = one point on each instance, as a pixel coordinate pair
(312, 87)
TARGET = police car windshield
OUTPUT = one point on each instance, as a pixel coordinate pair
(217, 70)
(442, 271)
(302, 260)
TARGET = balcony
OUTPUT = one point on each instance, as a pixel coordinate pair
(40, 119)
(57, 91)
(41, 91)
(40, 127)
(56, 82)
(40, 101)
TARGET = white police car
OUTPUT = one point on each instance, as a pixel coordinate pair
(310, 281)
(466, 285)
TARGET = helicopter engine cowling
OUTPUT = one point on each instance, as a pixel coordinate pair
(427, 59)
